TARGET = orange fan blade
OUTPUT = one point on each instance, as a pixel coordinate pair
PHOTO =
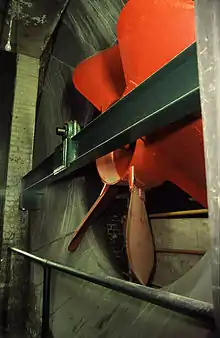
(150, 34)
(106, 196)
(139, 242)
(113, 167)
(164, 158)
(100, 78)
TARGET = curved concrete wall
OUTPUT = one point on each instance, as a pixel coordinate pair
(79, 309)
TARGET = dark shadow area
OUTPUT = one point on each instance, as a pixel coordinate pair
(7, 81)
(80, 109)
(168, 197)
(4, 321)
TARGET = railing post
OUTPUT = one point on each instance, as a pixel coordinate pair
(46, 303)
(199, 310)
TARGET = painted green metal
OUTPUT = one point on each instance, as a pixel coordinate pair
(66, 153)
(167, 96)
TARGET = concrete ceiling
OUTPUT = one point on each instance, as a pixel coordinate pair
(33, 23)
(3, 8)
(3, 4)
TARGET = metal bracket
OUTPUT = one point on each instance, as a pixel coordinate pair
(66, 153)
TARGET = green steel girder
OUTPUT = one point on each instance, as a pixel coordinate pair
(167, 96)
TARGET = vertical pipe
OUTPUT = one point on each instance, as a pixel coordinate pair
(208, 51)
(46, 303)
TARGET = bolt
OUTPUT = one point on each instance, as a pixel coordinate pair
(61, 131)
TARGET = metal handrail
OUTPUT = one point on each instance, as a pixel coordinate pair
(196, 309)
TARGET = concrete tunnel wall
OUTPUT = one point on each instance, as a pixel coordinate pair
(80, 309)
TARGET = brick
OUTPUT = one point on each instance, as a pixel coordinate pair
(20, 162)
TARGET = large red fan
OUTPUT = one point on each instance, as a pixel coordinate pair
(150, 34)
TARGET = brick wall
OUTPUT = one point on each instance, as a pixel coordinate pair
(15, 227)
